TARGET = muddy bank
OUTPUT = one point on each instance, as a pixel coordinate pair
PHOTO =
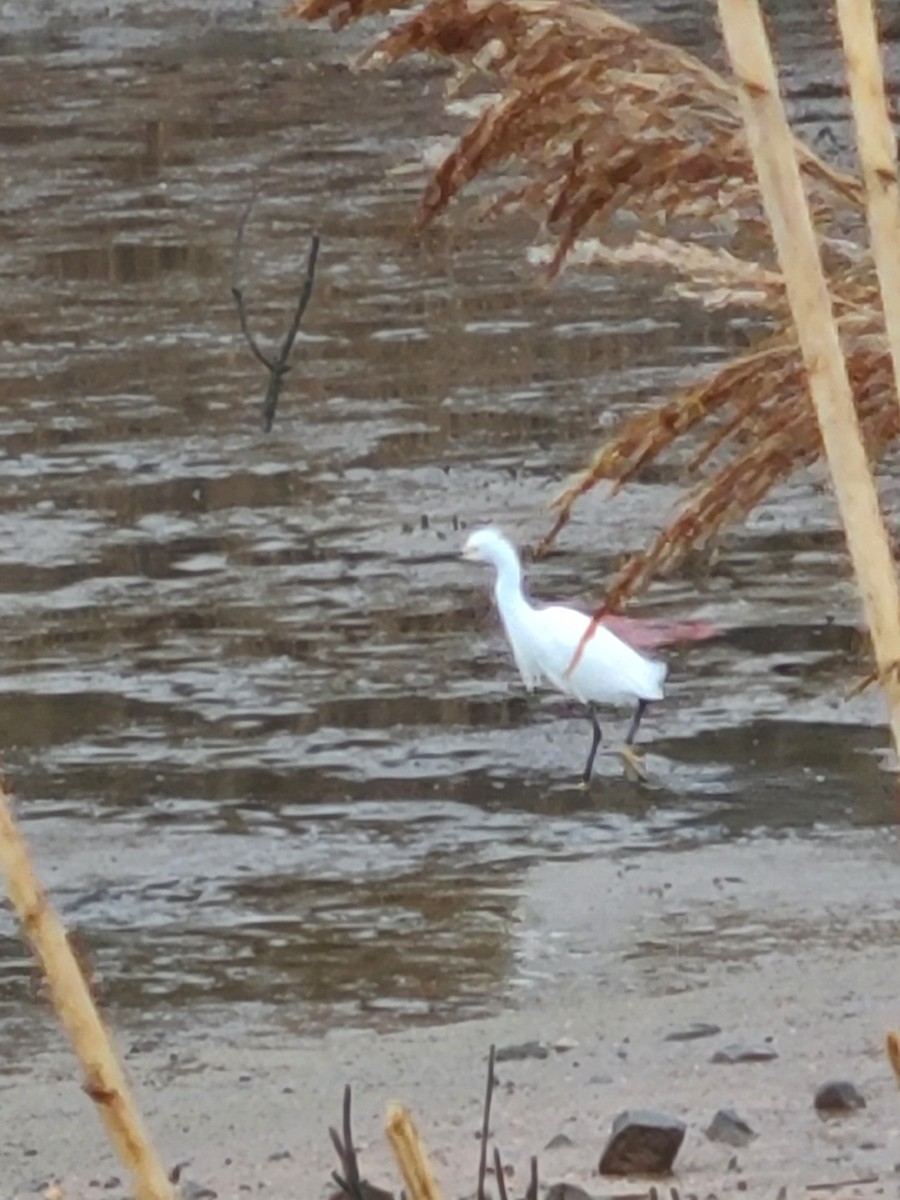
(252, 667)
(780, 942)
(268, 744)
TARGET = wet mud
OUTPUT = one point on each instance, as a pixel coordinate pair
(270, 749)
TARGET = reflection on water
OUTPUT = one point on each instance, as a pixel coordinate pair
(269, 745)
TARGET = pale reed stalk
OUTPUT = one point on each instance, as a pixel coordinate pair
(104, 1079)
(877, 154)
(410, 1155)
(779, 176)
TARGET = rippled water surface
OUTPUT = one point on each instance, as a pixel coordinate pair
(267, 740)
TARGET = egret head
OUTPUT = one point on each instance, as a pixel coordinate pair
(490, 546)
(482, 545)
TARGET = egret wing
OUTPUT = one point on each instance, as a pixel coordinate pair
(608, 671)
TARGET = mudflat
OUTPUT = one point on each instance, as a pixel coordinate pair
(784, 944)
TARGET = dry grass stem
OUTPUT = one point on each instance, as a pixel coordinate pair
(828, 377)
(104, 1079)
(410, 1155)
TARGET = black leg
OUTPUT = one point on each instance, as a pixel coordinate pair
(642, 706)
(589, 766)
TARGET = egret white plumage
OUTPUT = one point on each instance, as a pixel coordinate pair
(544, 639)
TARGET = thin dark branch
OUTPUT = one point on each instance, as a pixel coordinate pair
(532, 1193)
(498, 1173)
(280, 366)
(236, 289)
(349, 1182)
(305, 292)
(486, 1124)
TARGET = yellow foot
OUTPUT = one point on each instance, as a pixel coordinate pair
(634, 764)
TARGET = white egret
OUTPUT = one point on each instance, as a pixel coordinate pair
(543, 640)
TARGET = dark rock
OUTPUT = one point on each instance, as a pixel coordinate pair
(699, 1029)
(642, 1143)
(280, 1155)
(726, 1126)
(741, 1052)
(567, 1191)
(521, 1051)
(839, 1096)
(559, 1142)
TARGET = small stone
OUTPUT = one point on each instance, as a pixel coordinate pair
(561, 1045)
(521, 1051)
(642, 1143)
(742, 1052)
(559, 1142)
(726, 1126)
(839, 1096)
(280, 1155)
(567, 1191)
(690, 1033)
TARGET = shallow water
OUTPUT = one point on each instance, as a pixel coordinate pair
(268, 743)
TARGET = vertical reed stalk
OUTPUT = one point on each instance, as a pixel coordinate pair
(104, 1080)
(795, 240)
(410, 1155)
(877, 154)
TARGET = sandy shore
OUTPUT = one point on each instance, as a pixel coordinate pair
(789, 943)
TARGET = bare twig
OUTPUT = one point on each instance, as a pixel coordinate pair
(104, 1079)
(486, 1124)
(349, 1182)
(532, 1193)
(236, 289)
(498, 1173)
(280, 366)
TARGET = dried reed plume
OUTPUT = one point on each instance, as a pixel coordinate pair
(579, 116)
